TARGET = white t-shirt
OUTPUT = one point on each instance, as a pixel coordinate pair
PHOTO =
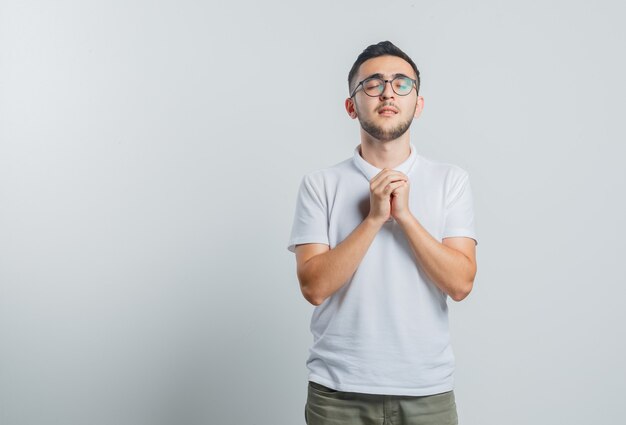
(385, 331)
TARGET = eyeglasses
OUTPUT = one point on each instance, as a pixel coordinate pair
(374, 86)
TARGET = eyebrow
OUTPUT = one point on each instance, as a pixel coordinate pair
(379, 75)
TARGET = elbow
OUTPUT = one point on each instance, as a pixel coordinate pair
(315, 301)
(307, 287)
(311, 297)
(462, 291)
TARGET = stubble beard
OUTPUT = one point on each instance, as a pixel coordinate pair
(383, 135)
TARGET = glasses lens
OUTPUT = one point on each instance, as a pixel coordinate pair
(373, 86)
(402, 85)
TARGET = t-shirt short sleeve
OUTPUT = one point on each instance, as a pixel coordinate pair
(310, 223)
(459, 211)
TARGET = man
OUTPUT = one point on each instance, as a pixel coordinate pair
(381, 240)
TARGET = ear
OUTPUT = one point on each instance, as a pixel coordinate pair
(350, 108)
(420, 107)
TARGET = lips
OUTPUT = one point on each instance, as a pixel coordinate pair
(387, 110)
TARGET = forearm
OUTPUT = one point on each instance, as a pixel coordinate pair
(446, 267)
(324, 274)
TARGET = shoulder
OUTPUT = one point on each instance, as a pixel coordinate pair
(451, 179)
(444, 173)
(441, 167)
(323, 177)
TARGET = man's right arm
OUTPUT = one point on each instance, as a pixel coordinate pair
(322, 271)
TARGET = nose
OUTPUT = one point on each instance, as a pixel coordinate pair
(387, 92)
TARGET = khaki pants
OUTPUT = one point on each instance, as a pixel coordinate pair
(325, 406)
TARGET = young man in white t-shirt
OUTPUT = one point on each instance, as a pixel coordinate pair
(382, 239)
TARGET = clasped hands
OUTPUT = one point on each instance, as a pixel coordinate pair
(389, 196)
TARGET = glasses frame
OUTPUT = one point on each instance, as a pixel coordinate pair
(384, 84)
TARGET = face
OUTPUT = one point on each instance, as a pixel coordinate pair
(388, 116)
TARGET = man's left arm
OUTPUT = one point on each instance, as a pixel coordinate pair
(450, 264)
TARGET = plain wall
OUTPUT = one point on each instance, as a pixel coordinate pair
(150, 156)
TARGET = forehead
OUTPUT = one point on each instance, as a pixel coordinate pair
(386, 65)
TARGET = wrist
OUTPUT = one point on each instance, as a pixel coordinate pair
(374, 221)
(404, 218)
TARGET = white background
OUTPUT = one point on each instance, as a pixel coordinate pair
(150, 155)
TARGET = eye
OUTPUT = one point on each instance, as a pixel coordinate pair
(402, 83)
(372, 84)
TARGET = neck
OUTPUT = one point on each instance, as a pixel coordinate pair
(388, 154)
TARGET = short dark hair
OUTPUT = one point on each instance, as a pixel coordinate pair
(381, 49)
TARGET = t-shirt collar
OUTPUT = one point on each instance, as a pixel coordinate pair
(369, 171)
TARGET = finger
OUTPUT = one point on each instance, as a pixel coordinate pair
(397, 190)
(397, 177)
(388, 190)
(386, 172)
(389, 178)
(375, 181)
